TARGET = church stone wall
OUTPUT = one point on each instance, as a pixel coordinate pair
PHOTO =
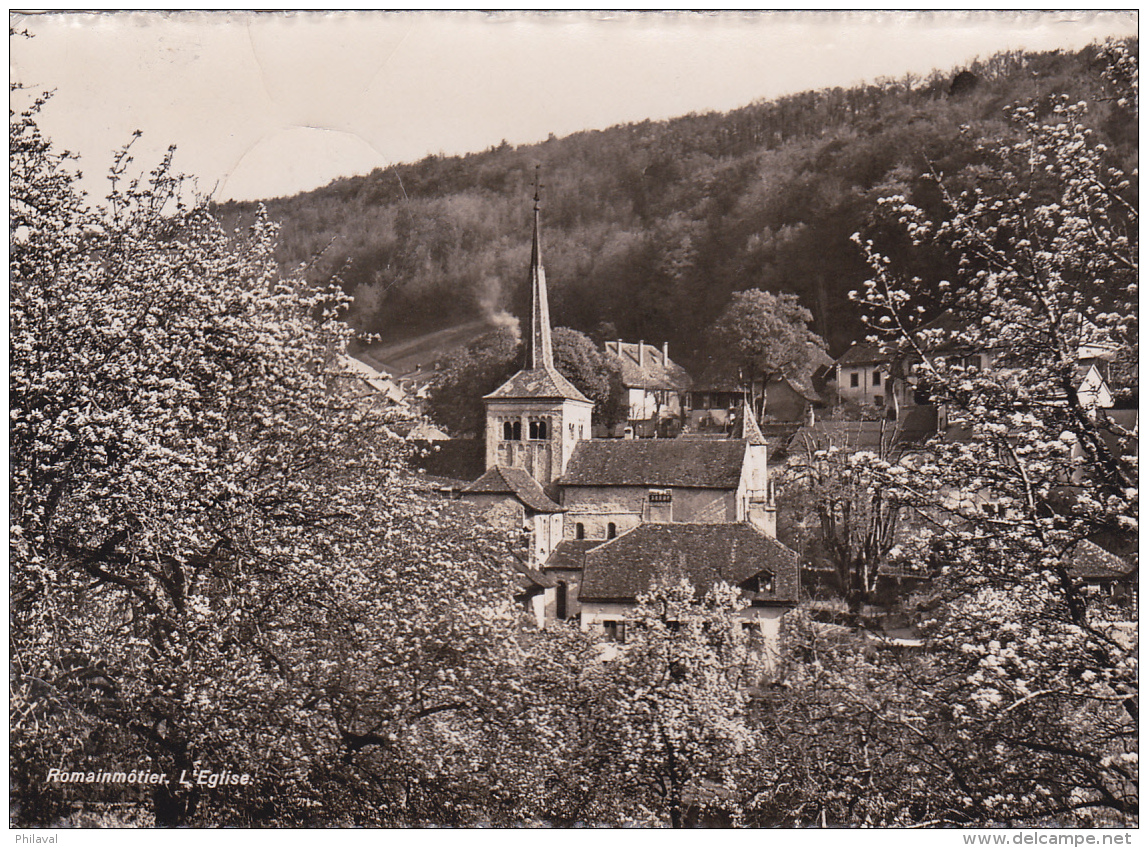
(629, 506)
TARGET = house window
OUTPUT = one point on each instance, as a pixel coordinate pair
(507, 431)
(876, 378)
(879, 400)
(517, 436)
(765, 582)
(611, 530)
(538, 429)
(579, 531)
(615, 631)
(854, 380)
(560, 602)
(661, 496)
(751, 630)
(972, 362)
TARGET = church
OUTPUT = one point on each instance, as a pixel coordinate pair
(598, 521)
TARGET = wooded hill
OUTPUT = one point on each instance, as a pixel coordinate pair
(649, 227)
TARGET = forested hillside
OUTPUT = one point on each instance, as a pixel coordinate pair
(651, 227)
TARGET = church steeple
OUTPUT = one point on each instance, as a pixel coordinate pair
(534, 419)
(539, 348)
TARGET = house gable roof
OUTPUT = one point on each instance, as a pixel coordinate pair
(501, 480)
(654, 374)
(625, 567)
(801, 388)
(862, 353)
(544, 383)
(686, 463)
(1091, 562)
(379, 381)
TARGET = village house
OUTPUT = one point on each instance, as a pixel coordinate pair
(786, 398)
(376, 384)
(616, 572)
(793, 397)
(577, 507)
(655, 385)
(713, 402)
(1104, 573)
(864, 377)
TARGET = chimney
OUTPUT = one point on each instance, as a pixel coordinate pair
(665, 354)
(641, 354)
(619, 348)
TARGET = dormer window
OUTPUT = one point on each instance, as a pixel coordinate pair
(661, 496)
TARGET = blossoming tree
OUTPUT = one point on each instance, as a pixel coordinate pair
(217, 561)
(1037, 679)
(674, 704)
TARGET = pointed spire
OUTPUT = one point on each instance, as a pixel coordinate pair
(539, 349)
(750, 431)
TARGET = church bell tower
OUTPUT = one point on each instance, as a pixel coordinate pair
(534, 419)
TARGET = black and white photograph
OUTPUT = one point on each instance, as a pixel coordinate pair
(575, 419)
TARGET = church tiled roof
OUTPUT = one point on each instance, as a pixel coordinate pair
(570, 553)
(625, 567)
(689, 463)
(501, 480)
(530, 578)
(537, 383)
